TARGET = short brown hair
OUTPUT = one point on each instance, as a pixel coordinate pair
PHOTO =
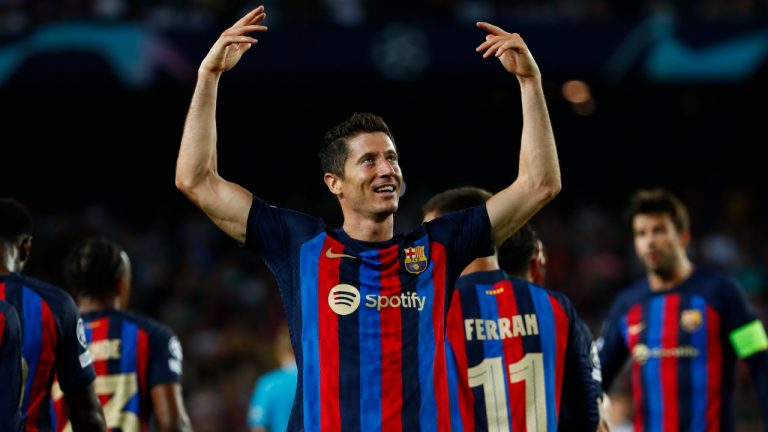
(648, 201)
(333, 147)
(456, 199)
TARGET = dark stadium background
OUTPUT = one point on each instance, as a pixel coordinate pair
(90, 147)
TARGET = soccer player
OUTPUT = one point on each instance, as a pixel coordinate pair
(137, 359)
(682, 327)
(10, 369)
(53, 333)
(519, 356)
(366, 308)
(273, 396)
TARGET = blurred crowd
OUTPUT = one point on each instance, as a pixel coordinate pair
(18, 16)
(224, 305)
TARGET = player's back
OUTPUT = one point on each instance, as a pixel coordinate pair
(131, 354)
(53, 342)
(10, 368)
(510, 340)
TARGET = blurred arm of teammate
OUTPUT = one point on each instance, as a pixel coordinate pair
(168, 405)
(226, 203)
(538, 179)
(85, 412)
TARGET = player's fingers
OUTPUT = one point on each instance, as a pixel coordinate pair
(230, 40)
(493, 48)
(249, 16)
(490, 28)
(489, 40)
(509, 44)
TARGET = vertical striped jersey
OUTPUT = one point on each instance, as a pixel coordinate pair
(518, 354)
(367, 319)
(131, 355)
(683, 344)
(53, 343)
(10, 369)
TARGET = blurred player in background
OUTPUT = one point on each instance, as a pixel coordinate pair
(683, 329)
(10, 369)
(520, 357)
(137, 359)
(366, 308)
(53, 333)
(272, 398)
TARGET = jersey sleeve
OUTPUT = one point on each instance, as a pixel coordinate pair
(581, 378)
(745, 332)
(611, 346)
(258, 409)
(273, 233)
(10, 369)
(74, 366)
(165, 357)
(466, 234)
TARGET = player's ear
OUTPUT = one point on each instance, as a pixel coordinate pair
(685, 237)
(25, 249)
(334, 183)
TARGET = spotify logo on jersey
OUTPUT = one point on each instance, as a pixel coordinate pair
(344, 299)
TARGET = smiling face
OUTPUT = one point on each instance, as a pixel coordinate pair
(658, 243)
(371, 181)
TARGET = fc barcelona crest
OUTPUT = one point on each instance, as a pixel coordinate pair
(690, 320)
(415, 259)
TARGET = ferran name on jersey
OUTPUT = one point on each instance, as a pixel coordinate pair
(415, 259)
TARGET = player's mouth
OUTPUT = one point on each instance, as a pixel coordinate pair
(385, 189)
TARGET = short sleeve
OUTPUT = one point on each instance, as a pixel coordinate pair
(74, 366)
(165, 357)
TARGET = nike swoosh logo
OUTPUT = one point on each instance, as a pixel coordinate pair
(330, 254)
(635, 329)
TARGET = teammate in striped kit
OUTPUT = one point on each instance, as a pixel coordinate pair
(137, 359)
(10, 369)
(519, 357)
(366, 308)
(53, 335)
(683, 329)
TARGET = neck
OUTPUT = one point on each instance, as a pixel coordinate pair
(489, 263)
(366, 229)
(663, 282)
(90, 304)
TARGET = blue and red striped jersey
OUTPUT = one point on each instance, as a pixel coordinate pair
(519, 355)
(131, 355)
(683, 344)
(53, 343)
(367, 319)
(10, 369)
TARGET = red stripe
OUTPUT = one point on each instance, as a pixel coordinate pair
(41, 384)
(513, 352)
(2, 328)
(100, 332)
(456, 337)
(714, 370)
(328, 334)
(142, 359)
(634, 317)
(2, 290)
(668, 364)
(437, 254)
(60, 410)
(561, 334)
(391, 345)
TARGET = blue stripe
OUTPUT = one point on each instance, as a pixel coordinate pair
(457, 424)
(309, 256)
(546, 320)
(129, 343)
(428, 416)
(651, 371)
(470, 309)
(370, 346)
(489, 310)
(33, 336)
(698, 370)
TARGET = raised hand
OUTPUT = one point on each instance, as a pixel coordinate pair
(510, 49)
(234, 42)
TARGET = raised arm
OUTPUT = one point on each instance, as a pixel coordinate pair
(538, 179)
(226, 203)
